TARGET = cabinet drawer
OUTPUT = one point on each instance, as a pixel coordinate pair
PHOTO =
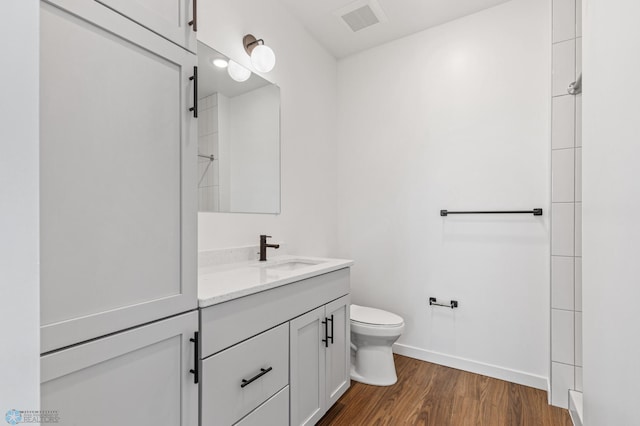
(262, 360)
(274, 412)
(230, 322)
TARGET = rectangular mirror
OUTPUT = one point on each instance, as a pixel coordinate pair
(238, 139)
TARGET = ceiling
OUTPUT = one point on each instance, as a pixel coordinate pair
(404, 17)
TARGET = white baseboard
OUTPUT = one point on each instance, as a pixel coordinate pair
(514, 376)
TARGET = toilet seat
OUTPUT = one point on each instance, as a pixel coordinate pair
(371, 317)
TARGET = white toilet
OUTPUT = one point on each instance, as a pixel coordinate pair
(373, 332)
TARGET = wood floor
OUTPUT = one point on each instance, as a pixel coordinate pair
(430, 394)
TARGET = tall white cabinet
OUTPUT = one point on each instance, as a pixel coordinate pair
(118, 212)
(118, 174)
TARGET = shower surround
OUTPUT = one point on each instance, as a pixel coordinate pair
(566, 198)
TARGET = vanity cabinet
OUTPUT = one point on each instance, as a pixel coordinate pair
(172, 19)
(319, 354)
(290, 343)
(137, 377)
(118, 174)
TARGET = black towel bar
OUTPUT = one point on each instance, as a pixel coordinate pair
(535, 212)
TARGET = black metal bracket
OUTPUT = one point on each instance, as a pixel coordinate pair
(196, 357)
(535, 212)
(452, 304)
(262, 372)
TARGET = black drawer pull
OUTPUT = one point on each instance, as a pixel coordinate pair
(331, 337)
(194, 78)
(196, 357)
(194, 22)
(326, 333)
(262, 372)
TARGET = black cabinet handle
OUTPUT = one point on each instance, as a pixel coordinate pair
(331, 337)
(194, 78)
(326, 334)
(262, 372)
(196, 357)
(194, 22)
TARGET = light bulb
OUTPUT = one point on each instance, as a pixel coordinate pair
(238, 72)
(262, 58)
(220, 63)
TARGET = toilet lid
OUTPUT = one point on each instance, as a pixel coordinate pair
(374, 316)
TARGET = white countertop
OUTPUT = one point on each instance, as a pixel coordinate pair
(221, 283)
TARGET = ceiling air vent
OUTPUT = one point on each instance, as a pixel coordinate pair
(361, 14)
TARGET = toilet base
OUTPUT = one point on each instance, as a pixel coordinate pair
(374, 365)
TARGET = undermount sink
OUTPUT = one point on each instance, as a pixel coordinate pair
(289, 265)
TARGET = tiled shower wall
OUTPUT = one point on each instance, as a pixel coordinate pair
(566, 214)
(208, 171)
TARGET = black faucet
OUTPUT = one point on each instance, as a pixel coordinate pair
(264, 246)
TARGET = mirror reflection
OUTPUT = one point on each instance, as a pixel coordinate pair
(238, 138)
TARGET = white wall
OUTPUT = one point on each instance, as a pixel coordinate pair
(456, 117)
(611, 200)
(255, 150)
(306, 74)
(19, 150)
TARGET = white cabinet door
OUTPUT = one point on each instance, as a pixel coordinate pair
(118, 168)
(338, 352)
(307, 363)
(137, 377)
(169, 18)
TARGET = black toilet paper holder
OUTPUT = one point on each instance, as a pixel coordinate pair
(452, 303)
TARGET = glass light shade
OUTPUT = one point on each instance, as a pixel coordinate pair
(238, 72)
(262, 58)
(220, 63)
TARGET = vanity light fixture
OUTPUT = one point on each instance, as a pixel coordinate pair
(220, 63)
(238, 72)
(262, 57)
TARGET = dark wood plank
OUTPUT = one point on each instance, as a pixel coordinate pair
(432, 395)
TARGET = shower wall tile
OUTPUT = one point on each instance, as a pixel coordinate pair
(564, 60)
(578, 339)
(562, 175)
(562, 339)
(578, 56)
(214, 119)
(215, 172)
(578, 178)
(578, 231)
(578, 379)
(562, 379)
(578, 284)
(578, 120)
(562, 123)
(215, 198)
(566, 195)
(562, 225)
(564, 20)
(562, 293)
(205, 199)
(578, 18)
(204, 176)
